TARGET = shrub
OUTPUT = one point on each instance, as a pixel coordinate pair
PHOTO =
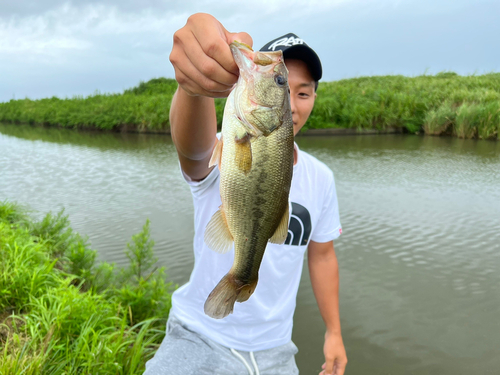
(379, 102)
(438, 121)
(60, 313)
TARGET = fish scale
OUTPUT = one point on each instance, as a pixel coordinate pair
(255, 158)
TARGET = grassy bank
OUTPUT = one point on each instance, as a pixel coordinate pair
(62, 313)
(446, 103)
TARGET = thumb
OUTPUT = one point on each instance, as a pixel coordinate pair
(240, 37)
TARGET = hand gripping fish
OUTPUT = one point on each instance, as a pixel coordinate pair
(255, 159)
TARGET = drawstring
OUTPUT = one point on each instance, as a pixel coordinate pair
(254, 363)
(242, 359)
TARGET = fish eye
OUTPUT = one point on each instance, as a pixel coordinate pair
(280, 80)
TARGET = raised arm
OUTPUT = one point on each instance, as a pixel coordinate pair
(204, 69)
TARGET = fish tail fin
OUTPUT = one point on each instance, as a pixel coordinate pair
(246, 291)
(220, 302)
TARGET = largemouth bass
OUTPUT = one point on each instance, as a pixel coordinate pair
(255, 158)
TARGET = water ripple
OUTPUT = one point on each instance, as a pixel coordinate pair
(419, 257)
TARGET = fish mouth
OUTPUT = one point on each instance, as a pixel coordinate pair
(241, 45)
(249, 60)
(243, 56)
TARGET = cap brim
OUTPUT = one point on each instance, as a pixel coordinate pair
(306, 54)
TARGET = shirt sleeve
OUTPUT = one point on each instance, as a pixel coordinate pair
(328, 226)
(198, 188)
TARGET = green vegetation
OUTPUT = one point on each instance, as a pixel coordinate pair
(467, 107)
(445, 103)
(62, 313)
(144, 107)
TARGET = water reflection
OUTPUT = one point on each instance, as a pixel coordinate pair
(419, 256)
(95, 139)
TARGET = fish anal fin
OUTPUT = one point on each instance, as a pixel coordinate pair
(216, 154)
(243, 152)
(281, 233)
(217, 235)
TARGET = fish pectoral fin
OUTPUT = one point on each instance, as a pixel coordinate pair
(217, 235)
(216, 154)
(243, 153)
(281, 233)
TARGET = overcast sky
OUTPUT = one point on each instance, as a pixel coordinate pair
(66, 48)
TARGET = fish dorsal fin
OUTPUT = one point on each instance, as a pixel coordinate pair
(217, 234)
(281, 233)
(216, 154)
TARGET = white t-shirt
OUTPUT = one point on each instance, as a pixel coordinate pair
(265, 320)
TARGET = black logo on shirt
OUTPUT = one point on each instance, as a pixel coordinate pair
(299, 227)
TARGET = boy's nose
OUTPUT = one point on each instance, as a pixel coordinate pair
(292, 106)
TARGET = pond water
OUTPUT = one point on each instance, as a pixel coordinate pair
(419, 255)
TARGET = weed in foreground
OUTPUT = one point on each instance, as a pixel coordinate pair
(61, 313)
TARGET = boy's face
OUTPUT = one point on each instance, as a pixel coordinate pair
(302, 93)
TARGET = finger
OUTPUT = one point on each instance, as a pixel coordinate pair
(323, 366)
(183, 41)
(329, 366)
(240, 37)
(214, 44)
(340, 368)
(207, 66)
(190, 78)
(192, 88)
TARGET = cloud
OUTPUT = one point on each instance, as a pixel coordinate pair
(68, 27)
(69, 50)
(52, 27)
(52, 47)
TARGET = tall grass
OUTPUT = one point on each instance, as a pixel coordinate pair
(440, 120)
(144, 107)
(429, 103)
(425, 103)
(61, 313)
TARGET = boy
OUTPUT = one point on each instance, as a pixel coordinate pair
(259, 330)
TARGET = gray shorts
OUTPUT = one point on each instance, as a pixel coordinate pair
(184, 352)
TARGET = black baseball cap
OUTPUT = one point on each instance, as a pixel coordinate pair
(294, 47)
